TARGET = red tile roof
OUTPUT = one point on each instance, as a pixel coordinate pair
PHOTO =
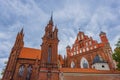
(30, 53)
(77, 70)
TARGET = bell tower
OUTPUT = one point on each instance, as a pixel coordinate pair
(49, 53)
(103, 37)
(107, 49)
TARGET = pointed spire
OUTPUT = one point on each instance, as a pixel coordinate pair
(55, 29)
(51, 16)
(21, 30)
(51, 19)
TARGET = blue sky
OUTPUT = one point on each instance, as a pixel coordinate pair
(91, 16)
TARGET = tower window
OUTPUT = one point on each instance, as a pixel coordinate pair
(50, 35)
(82, 36)
(49, 54)
(78, 37)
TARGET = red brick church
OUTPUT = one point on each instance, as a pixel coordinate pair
(86, 59)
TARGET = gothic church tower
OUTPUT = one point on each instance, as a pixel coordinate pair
(12, 61)
(49, 53)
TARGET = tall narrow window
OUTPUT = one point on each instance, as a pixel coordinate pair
(85, 65)
(29, 72)
(72, 64)
(82, 36)
(86, 43)
(21, 70)
(78, 37)
(90, 43)
(80, 51)
(49, 54)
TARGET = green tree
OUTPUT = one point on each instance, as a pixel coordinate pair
(3, 68)
(116, 54)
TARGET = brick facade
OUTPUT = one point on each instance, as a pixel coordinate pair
(87, 48)
(45, 64)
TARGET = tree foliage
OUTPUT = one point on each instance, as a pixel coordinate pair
(116, 54)
(3, 70)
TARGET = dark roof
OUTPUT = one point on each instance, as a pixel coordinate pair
(68, 46)
(98, 59)
(102, 33)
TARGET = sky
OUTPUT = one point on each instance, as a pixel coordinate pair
(90, 16)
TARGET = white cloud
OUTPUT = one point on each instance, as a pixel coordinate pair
(69, 15)
(2, 35)
(90, 18)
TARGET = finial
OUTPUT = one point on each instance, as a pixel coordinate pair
(55, 26)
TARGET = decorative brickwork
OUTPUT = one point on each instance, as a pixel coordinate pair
(49, 56)
(45, 64)
(86, 48)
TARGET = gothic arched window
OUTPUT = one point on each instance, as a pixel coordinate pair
(84, 63)
(29, 72)
(49, 53)
(50, 35)
(21, 70)
(72, 64)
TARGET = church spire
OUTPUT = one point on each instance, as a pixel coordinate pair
(21, 31)
(51, 19)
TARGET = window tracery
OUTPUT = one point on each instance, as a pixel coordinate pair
(21, 70)
(72, 64)
(84, 63)
(29, 72)
(49, 54)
